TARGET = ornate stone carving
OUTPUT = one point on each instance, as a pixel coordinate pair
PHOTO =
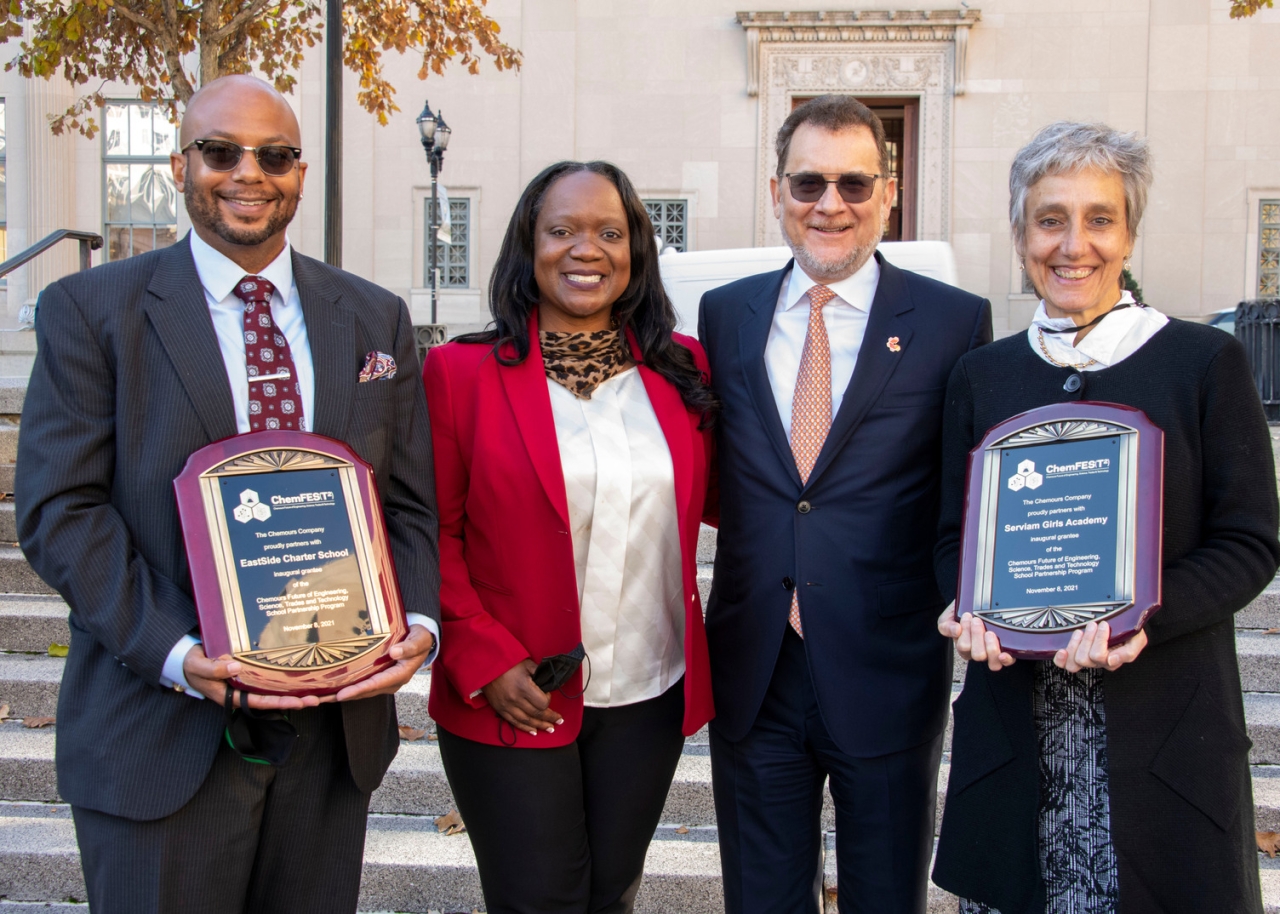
(865, 52)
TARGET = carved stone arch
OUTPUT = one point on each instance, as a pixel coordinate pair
(887, 53)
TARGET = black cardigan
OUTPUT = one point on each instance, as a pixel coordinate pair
(1181, 797)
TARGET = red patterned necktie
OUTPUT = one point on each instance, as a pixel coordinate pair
(274, 399)
(811, 406)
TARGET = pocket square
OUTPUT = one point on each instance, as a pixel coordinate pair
(378, 365)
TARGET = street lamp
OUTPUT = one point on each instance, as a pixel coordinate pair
(435, 140)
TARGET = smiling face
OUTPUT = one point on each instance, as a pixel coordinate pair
(242, 213)
(582, 253)
(832, 239)
(1077, 240)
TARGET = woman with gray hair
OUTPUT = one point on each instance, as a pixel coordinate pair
(1112, 778)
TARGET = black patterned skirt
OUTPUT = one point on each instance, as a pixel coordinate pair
(1077, 860)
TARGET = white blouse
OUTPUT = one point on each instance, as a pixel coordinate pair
(1111, 341)
(620, 485)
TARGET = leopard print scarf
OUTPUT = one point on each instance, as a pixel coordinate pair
(581, 362)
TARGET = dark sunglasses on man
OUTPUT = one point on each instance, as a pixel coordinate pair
(223, 155)
(809, 186)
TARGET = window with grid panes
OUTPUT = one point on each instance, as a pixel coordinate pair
(453, 260)
(1269, 249)
(141, 200)
(670, 222)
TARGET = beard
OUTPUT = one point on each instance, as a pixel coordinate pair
(832, 268)
(203, 210)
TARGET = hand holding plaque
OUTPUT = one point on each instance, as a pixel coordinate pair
(290, 562)
(1063, 526)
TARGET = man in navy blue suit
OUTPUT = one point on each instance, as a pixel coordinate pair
(825, 657)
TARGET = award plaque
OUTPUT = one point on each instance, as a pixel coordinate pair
(1063, 525)
(290, 562)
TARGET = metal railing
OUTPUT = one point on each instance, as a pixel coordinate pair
(1258, 330)
(89, 242)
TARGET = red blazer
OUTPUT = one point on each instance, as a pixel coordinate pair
(509, 586)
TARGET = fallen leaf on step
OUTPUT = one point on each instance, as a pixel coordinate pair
(4, 711)
(682, 830)
(58, 650)
(1272, 631)
(450, 823)
(411, 733)
(432, 738)
(1268, 842)
(35, 723)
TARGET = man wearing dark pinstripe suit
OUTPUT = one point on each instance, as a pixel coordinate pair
(140, 363)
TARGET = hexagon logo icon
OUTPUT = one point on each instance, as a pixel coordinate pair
(1026, 477)
(250, 508)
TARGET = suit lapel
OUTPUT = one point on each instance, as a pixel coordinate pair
(526, 387)
(876, 361)
(673, 416)
(180, 315)
(330, 333)
(753, 334)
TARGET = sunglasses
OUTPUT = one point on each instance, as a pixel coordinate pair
(223, 155)
(809, 186)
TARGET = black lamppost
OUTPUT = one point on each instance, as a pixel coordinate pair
(435, 140)
(333, 134)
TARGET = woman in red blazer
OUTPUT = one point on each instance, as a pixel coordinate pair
(572, 457)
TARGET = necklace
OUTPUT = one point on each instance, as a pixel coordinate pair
(1053, 361)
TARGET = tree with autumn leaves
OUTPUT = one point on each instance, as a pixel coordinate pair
(169, 48)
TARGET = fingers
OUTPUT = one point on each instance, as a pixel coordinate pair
(996, 658)
(947, 624)
(964, 640)
(418, 643)
(975, 643)
(1127, 652)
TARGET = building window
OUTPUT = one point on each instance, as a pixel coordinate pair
(670, 220)
(4, 193)
(141, 200)
(1269, 249)
(453, 259)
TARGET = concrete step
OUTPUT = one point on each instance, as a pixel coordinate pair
(410, 867)
(16, 576)
(32, 622)
(1264, 611)
(8, 435)
(13, 385)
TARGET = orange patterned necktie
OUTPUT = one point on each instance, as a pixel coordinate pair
(811, 406)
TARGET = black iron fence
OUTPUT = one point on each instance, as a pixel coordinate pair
(1258, 330)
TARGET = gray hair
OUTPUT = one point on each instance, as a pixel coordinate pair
(1065, 147)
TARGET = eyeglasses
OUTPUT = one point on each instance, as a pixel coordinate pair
(223, 155)
(809, 186)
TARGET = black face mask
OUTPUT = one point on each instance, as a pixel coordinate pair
(260, 737)
(556, 670)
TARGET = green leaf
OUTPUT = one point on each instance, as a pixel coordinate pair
(58, 650)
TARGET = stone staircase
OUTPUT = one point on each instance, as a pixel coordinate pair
(408, 865)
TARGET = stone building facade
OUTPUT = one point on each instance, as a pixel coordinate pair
(685, 95)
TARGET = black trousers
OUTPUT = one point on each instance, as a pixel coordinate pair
(253, 840)
(768, 793)
(565, 830)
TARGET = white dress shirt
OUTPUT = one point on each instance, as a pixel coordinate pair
(620, 487)
(1112, 340)
(219, 276)
(845, 317)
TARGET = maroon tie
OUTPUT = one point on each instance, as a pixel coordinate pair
(274, 399)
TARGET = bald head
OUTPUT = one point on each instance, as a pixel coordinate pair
(238, 208)
(239, 101)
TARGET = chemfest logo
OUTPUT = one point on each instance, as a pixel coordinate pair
(1026, 477)
(250, 508)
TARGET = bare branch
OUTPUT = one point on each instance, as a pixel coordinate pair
(239, 19)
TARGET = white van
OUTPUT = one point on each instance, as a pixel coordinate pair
(687, 276)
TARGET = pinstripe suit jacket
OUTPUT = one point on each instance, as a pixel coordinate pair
(128, 382)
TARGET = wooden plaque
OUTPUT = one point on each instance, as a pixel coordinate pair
(1063, 525)
(290, 563)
